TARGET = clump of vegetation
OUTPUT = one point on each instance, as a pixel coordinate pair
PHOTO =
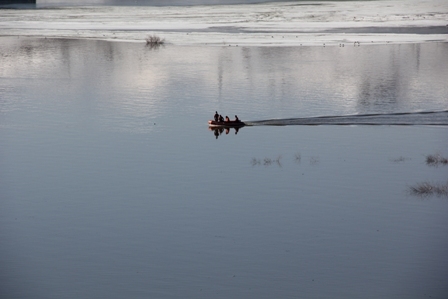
(154, 41)
(314, 160)
(427, 189)
(298, 157)
(400, 159)
(436, 160)
(255, 161)
(266, 161)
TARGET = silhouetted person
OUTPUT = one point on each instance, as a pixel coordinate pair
(227, 118)
(237, 119)
(221, 119)
(216, 116)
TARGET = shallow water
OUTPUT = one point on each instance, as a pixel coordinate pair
(112, 186)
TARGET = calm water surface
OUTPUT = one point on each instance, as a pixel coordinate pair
(112, 186)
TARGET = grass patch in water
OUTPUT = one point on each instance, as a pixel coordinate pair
(400, 159)
(314, 160)
(154, 41)
(266, 161)
(426, 189)
(436, 160)
(298, 157)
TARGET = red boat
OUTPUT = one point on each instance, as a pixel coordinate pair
(226, 124)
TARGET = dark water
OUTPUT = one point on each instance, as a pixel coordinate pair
(112, 186)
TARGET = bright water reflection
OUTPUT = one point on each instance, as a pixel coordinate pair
(112, 186)
(256, 83)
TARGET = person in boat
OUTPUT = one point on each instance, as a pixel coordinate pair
(221, 119)
(227, 118)
(237, 119)
(216, 117)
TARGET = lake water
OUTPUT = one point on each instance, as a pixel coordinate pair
(112, 185)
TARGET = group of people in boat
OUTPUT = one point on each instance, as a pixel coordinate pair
(219, 118)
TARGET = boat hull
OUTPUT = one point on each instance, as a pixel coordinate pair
(225, 124)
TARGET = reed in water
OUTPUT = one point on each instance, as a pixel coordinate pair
(436, 160)
(154, 40)
(426, 189)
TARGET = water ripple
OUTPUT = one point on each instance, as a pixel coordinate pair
(439, 118)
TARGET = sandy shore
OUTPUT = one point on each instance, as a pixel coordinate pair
(269, 24)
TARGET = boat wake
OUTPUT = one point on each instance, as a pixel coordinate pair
(433, 118)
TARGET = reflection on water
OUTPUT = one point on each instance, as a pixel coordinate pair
(219, 131)
(112, 186)
(256, 83)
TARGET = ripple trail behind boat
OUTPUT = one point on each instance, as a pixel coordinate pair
(434, 118)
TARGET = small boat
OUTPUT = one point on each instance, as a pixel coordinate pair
(226, 124)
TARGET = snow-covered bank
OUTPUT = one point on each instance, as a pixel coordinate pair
(271, 24)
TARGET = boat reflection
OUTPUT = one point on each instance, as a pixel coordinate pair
(217, 131)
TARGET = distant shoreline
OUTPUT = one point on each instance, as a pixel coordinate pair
(7, 2)
(267, 24)
(167, 44)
